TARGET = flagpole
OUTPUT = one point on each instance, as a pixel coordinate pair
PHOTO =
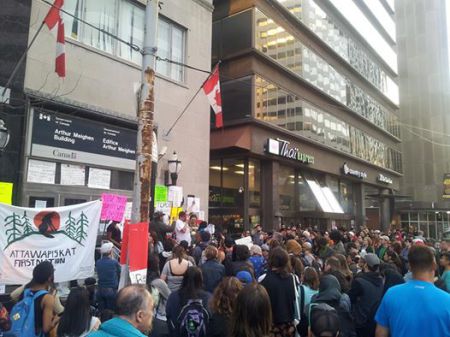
(16, 68)
(192, 99)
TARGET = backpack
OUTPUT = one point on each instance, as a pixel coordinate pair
(22, 314)
(193, 319)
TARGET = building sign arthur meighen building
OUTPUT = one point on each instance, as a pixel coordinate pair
(70, 138)
(282, 148)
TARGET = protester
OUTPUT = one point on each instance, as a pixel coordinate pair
(365, 295)
(307, 290)
(38, 299)
(391, 276)
(221, 305)
(108, 271)
(205, 238)
(114, 234)
(77, 320)
(187, 308)
(257, 236)
(280, 285)
(252, 315)
(257, 260)
(416, 308)
(182, 229)
(160, 327)
(134, 308)
(159, 227)
(323, 251)
(294, 250)
(324, 321)
(333, 267)
(338, 245)
(5, 322)
(241, 261)
(331, 294)
(245, 277)
(383, 245)
(174, 269)
(445, 264)
(213, 271)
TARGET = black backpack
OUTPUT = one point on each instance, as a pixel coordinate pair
(193, 319)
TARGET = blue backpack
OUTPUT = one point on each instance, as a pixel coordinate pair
(22, 315)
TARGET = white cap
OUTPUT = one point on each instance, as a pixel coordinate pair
(106, 248)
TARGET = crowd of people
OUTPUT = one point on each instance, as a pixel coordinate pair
(291, 282)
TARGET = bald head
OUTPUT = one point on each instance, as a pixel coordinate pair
(131, 299)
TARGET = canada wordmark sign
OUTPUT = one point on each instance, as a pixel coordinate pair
(65, 236)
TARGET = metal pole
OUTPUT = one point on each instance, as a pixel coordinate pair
(142, 177)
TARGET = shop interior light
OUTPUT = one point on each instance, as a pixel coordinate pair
(4, 135)
(239, 172)
(250, 166)
(218, 168)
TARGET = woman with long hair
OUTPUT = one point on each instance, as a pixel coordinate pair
(281, 285)
(222, 305)
(174, 269)
(190, 293)
(252, 315)
(344, 267)
(77, 320)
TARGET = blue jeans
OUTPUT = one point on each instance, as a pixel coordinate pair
(106, 298)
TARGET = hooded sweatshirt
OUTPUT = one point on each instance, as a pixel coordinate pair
(117, 327)
(365, 296)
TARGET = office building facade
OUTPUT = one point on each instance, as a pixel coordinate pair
(75, 138)
(310, 99)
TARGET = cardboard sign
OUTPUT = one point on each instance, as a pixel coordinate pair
(6, 191)
(113, 207)
(161, 193)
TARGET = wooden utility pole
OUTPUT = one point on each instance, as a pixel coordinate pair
(142, 177)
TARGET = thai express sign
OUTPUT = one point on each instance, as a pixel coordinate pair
(282, 148)
(65, 236)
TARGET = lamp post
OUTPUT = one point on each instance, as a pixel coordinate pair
(174, 168)
(4, 135)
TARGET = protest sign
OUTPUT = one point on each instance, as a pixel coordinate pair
(247, 241)
(65, 236)
(6, 191)
(161, 193)
(113, 207)
(138, 252)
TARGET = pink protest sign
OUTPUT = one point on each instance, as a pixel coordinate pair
(113, 207)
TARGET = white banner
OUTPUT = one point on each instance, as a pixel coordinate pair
(65, 236)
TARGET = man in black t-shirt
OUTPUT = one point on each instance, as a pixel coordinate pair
(114, 234)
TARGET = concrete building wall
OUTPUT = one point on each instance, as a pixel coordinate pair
(107, 84)
(424, 76)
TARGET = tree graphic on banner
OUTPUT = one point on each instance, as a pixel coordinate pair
(14, 232)
(27, 227)
(71, 229)
(82, 224)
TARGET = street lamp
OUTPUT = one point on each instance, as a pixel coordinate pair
(174, 167)
(4, 135)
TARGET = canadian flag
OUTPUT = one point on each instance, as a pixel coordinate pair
(55, 24)
(212, 91)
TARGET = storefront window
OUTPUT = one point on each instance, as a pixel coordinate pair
(215, 169)
(307, 201)
(286, 188)
(346, 196)
(254, 183)
(233, 183)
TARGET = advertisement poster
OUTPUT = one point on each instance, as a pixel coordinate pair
(446, 194)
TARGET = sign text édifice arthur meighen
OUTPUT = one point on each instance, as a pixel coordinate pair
(280, 147)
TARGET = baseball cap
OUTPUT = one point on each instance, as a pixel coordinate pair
(324, 320)
(245, 277)
(372, 260)
(418, 241)
(106, 248)
(385, 237)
